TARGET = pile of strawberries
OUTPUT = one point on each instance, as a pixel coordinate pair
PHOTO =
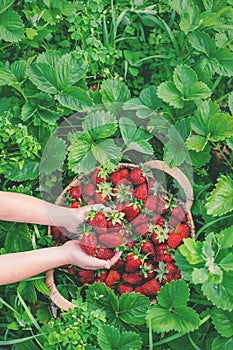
(143, 221)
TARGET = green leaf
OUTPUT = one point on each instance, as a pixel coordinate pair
(168, 92)
(106, 152)
(7, 77)
(223, 321)
(109, 338)
(175, 151)
(53, 73)
(221, 343)
(5, 4)
(230, 102)
(218, 293)
(200, 158)
(29, 170)
(27, 291)
(75, 98)
(200, 276)
(11, 26)
(128, 129)
(18, 238)
(184, 77)
(192, 250)
(225, 59)
(100, 124)
(225, 237)
(227, 262)
(141, 146)
(41, 286)
(79, 148)
(149, 98)
(221, 199)
(133, 308)
(113, 90)
(201, 41)
(18, 68)
(183, 265)
(198, 90)
(171, 312)
(53, 156)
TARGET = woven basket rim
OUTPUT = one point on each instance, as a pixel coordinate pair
(175, 172)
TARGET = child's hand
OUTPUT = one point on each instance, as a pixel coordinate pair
(76, 256)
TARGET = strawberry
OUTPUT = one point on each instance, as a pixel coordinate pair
(88, 243)
(162, 204)
(140, 191)
(104, 253)
(136, 176)
(71, 270)
(142, 230)
(151, 202)
(183, 230)
(138, 289)
(112, 278)
(86, 276)
(161, 253)
(148, 248)
(177, 216)
(151, 288)
(101, 276)
(131, 211)
(132, 263)
(88, 190)
(98, 176)
(158, 220)
(171, 267)
(124, 288)
(119, 264)
(152, 186)
(174, 240)
(56, 232)
(140, 219)
(119, 175)
(76, 204)
(97, 220)
(111, 239)
(114, 219)
(172, 273)
(148, 271)
(75, 192)
(132, 278)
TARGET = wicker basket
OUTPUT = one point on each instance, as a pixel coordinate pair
(175, 172)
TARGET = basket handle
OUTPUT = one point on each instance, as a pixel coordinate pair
(178, 175)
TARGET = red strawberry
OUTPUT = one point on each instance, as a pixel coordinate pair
(152, 186)
(88, 243)
(119, 264)
(138, 289)
(101, 276)
(183, 230)
(132, 263)
(99, 198)
(71, 270)
(111, 239)
(162, 204)
(86, 276)
(154, 238)
(112, 278)
(140, 219)
(131, 211)
(136, 176)
(158, 220)
(174, 240)
(151, 202)
(132, 278)
(75, 192)
(104, 253)
(88, 190)
(97, 220)
(56, 232)
(63, 238)
(124, 288)
(140, 191)
(151, 288)
(171, 267)
(177, 216)
(148, 270)
(148, 248)
(142, 230)
(76, 204)
(99, 176)
(161, 253)
(119, 175)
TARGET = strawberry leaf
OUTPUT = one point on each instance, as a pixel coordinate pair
(201, 41)
(192, 250)
(225, 58)
(227, 262)
(75, 98)
(171, 312)
(168, 92)
(106, 152)
(221, 199)
(100, 124)
(133, 308)
(113, 90)
(53, 156)
(27, 291)
(109, 338)
(223, 321)
(221, 343)
(11, 26)
(225, 237)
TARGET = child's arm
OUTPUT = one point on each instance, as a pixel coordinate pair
(23, 208)
(18, 266)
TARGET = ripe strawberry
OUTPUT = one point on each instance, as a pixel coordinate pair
(152, 186)
(151, 202)
(132, 277)
(75, 192)
(104, 253)
(86, 276)
(171, 267)
(99, 175)
(56, 232)
(71, 270)
(183, 230)
(148, 248)
(132, 263)
(158, 220)
(138, 289)
(131, 211)
(136, 176)
(100, 198)
(142, 230)
(140, 219)
(161, 253)
(177, 216)
(162, 204)
(148, 270)
(76, 204)
(112, 278)
(111, 239)
(124, 288)
(174, 240)
(119, 175)
(63, 238)
(88, 190)
(151, 288)
(97, 220)
(119, 264)
(141, 191)
(88, 243)
(154, 238)
(101, 276)
(114, 219)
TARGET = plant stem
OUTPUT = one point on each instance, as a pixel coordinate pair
(203, 228)
(192, 342)
(151, 347)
